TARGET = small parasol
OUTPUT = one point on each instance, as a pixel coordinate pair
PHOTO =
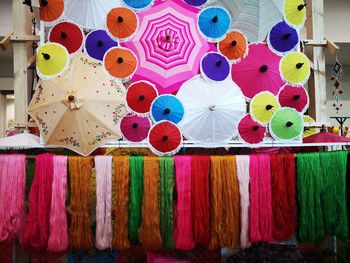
(51, 10)
(121, 23)
(97, 42)
(283, 38)
(294, 97)
(263, 106)
(295, 68)
(234, 46)
(139, 97)
(138, 5)
(167, 107)
(215, 67)
(295, 12)
(250, 131)
(135, 128)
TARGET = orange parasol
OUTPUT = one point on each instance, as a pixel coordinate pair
(51, 10)
(121, 23)
(120, 63)
(234, 46)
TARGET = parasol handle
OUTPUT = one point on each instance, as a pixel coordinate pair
(234, 43)
(300, 7)
(142, 97)
(71, 98)
(165, 138)
(296, 97)
(135, 125)
(269, 107)
(46, 56)
(120, 19)
(167, 111)
(100, 43)
(64, 35)
(44, 2)
(215, 19)
(218, 63)
(120, 60)
(264, 68)
(299, 65)
(289, 124)
(255, 127)
(212, 107)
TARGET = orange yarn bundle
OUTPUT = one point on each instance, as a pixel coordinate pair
(225, 209)
(80, 234)
(121, 175)
(149, 232)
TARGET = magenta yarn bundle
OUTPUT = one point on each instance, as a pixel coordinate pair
(260, 211)
(183, 238)
(12, 195)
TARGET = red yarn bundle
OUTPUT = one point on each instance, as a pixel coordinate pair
(283, 196)
(36, 233)
(200, 200)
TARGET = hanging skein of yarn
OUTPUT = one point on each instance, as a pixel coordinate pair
(121, 175)
(80, 234)
(166, 170)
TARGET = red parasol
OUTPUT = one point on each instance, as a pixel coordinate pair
(294, 97)
(139, 97)
(325, 137)
(251, 131)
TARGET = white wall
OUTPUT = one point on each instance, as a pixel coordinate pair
(337, 20)
(5, 16)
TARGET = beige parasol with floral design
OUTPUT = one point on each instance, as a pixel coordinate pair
(79, 110)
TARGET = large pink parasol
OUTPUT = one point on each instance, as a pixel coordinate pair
(258, 72)
(168, 45)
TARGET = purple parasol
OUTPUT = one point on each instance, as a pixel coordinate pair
(135, 128)
(97, 43)
(215, 66)
(196, 2)
(282, 38)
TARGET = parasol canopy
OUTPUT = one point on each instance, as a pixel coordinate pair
(89, 14)
(234, 46)
(97, 42)
(286, 124)
(68, 35)
(120, 63)
(212, 109)
(295, 12)
(139, 97)
(259, 71)
(325, 137)
(308, 131)
(295, 68)
(135, 128)
(167, 107)
(165, 138)
(283, 38)
(121, 23)
(253, 17)
(294, 97)
(250, 130)
(51, 10)
(79, 110)
(20, 141)
(168, 45)
(196, 2)
(138, 4)
(214, 22)
(215, 66)
(52, 60)
(263, 106)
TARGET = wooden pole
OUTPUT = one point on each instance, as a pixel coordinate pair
(2, 114)
(317, 83)
(21, 27)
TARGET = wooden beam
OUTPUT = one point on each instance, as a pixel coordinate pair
(31, 61)
(5, 42)
(24, 38)
(332, 47)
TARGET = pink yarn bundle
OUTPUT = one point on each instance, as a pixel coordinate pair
(260, 212)
(104, 232)
(58, 239)
(183, 238)
(12, 195)
(242, 164)
(36, 232)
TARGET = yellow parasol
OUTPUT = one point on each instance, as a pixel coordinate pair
(308, 131)
(263, 106)
(295, 12)
(79, 110)
(52, 60)
(295, 68)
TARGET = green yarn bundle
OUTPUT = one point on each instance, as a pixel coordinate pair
(136, 193)
(166, 169)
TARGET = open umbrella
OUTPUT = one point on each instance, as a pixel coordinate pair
(286, 124)
(295, 12)
(121, 23)
(253, 17)
(51, 10)
(214, 22)
(234, 46)
(283, 38)
(79, 110)
(308, 131)
(295, 68)
(294, 97)
(138, 4)
(20, 141)
(89, 14)
(167, 107)
(120, 63)
(196, 2)
(139, 97)
(250, 130)
(165, 138)
(135, 128)
(212, 109)
(52, 60)
(68, 35)
(325, 137)
(97, 42)
(168, 45)
(215, 66)
(259, 71)
(263, 106)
